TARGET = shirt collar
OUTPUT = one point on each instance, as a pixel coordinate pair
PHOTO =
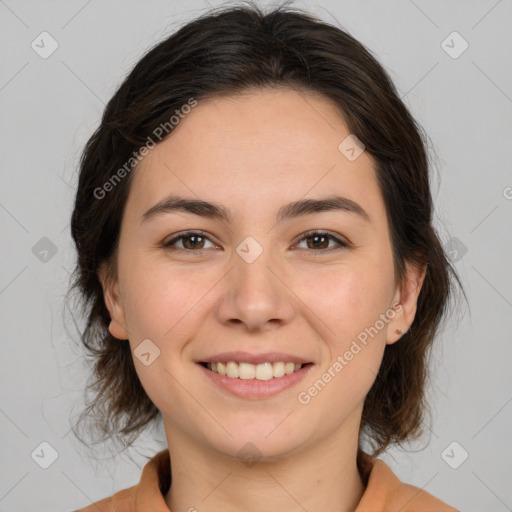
(383, 489)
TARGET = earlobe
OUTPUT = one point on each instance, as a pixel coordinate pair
(117, 330)
(113, 303)
(406, 301)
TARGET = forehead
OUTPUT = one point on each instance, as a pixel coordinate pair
(247, 150)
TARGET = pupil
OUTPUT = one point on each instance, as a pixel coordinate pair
(316, 238)
(193, 239)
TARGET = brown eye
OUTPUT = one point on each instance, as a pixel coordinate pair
(190, 241)
(193, 241)
(319, 240)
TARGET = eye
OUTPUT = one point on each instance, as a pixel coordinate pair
(320, 239)
(191, 241)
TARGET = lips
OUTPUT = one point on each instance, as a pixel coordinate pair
(250, 381)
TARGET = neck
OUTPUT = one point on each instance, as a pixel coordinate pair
(322, 477)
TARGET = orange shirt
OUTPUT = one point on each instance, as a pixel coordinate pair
(384, 492)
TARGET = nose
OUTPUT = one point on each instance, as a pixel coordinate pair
(257, 295)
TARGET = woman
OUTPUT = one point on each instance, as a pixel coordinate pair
(255, 246)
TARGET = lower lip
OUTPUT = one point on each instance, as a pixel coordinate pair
(253, 388)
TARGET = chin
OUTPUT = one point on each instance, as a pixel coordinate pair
(259, 441)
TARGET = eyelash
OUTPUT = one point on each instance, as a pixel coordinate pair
(310, 234)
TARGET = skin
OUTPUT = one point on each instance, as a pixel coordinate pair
(254, 153)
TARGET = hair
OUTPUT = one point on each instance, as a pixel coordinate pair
(229, 51)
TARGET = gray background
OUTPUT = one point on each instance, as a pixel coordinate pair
(49, 107)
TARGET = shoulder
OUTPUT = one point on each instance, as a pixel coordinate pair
(386, 493)
(148, 494)
(122, 501)
(414, 499)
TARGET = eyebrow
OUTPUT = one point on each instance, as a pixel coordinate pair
(215, 211)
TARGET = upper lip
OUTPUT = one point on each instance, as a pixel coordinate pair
(246, 357)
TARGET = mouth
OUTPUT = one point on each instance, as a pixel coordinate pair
(247, 371)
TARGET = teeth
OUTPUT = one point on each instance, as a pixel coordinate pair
(232, 370)
(247, 371)
(278, 369)
(264, 371)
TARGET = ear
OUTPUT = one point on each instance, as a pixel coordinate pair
(405, 302)
(113, 302)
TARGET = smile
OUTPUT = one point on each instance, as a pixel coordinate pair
(248, 371)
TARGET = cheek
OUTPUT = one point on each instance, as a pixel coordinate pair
(162, 299)
(350, 304)
(347, 298)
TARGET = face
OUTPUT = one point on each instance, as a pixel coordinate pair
(251, 283)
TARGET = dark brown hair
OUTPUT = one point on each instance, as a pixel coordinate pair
(228, 51)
